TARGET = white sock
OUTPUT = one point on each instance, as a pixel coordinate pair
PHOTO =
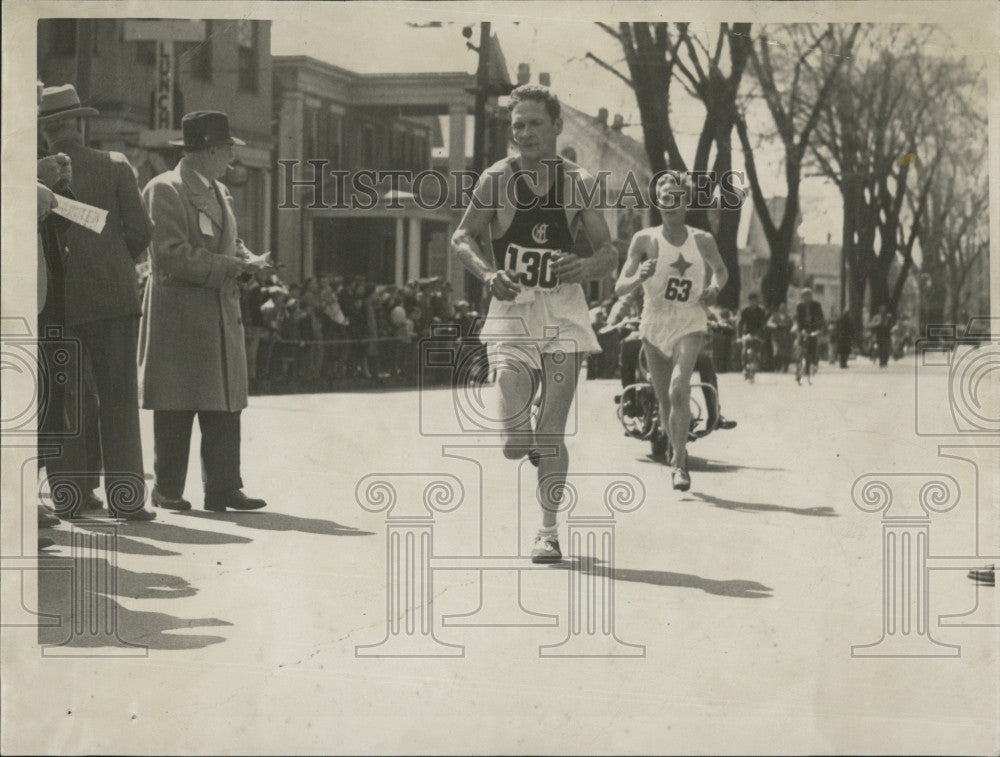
(546, 531)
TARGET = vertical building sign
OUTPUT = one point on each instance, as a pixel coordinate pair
(164, 99)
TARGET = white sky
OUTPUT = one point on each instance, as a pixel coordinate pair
(378, 40)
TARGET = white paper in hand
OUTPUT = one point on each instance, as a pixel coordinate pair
(81, 213)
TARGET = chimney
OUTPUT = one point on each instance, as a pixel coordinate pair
(545, 80)
(602, 117)
(523, 73)
(619, 122)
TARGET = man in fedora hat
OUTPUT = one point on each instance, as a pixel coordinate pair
(101, 308)
(192, 356)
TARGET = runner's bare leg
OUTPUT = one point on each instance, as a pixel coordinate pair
(685, 353)
(517, 383)
(560, 381)
(660, 368)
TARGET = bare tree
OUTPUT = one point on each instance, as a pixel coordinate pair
(954, 236)
(882, 123)
(796, 84)
(656, 55)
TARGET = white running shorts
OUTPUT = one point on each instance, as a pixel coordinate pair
(664, 329)
(537, 323)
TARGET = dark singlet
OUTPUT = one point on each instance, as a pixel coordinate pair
(538, 230)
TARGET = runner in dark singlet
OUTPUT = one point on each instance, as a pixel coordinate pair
(538, 326)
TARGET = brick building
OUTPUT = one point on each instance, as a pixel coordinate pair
(114, 65)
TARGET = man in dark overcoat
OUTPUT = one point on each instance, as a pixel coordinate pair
(101, 311)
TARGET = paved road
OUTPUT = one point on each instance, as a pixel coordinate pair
(747, 594)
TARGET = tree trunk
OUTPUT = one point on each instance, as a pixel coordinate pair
(856, 275)
(878, 286)
(897, 289)
(729, 220)
(774, 285)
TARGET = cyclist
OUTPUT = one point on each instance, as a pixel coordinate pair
(809, 323)
(751, 331)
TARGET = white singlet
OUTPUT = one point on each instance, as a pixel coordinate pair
(670, 308)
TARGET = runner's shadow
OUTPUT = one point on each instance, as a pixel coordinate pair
(77, 620)
(701, 465)
(161, 531)
(752, 507)
(271, 521)
(729, 588)
(123, 544)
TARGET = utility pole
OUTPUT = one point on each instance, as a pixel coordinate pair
(474, 286)
(482, 91)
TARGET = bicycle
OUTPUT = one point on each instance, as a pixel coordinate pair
(751, 355)
(808, 361)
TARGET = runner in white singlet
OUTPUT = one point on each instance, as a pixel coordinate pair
(672, 263)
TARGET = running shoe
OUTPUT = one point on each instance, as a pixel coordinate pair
(546, 550)
(680, 479)
(725, 424)
(986, 576)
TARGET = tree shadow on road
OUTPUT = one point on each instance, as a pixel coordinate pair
(125, 546)
(724, 588)
(161, 531)
(756, 507)
(78, 598)
(272, 521)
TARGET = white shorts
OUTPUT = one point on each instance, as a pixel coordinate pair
(537, 323)
(663, 329)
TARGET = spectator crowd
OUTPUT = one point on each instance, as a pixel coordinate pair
(329, 332)
(883, 335)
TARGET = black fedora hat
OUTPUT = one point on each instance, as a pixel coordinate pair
(206, 128)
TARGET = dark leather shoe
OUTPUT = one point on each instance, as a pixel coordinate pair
(46, 519)
(234, 500)
(725, 424)
(169, 503)
(136, 515)
(92, 502)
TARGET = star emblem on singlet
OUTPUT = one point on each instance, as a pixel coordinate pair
(681, 265)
